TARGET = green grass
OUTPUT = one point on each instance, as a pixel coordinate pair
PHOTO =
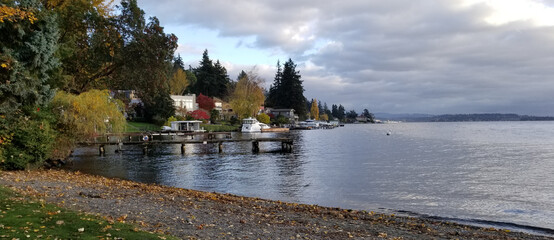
(219, 128)
(21, 218)
(141, 127)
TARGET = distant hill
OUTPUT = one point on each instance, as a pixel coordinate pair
(460, 117)
(405, 117)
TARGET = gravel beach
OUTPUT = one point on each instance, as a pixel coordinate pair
(190, 214)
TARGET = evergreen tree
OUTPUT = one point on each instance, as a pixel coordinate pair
(212, 79)
(274, 89)
(335, 111)
(341, 112)
(27, 54)
(368, 115)
(221, 80)
(287, 90)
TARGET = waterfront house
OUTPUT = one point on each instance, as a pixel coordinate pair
(189, 126)
(286, 112)
(184, 103)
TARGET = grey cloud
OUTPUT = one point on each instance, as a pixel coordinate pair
(426, 56)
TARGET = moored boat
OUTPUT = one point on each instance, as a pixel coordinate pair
(252, 125)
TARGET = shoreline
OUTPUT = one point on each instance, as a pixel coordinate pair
(191, 214)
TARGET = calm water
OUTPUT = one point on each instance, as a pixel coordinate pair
(490, 171)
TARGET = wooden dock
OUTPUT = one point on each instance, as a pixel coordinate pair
(147, 140)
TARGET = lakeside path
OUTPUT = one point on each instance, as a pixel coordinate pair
(190, 214)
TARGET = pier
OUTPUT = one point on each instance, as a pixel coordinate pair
(147, 140)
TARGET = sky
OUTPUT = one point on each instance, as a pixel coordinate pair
(394, 56)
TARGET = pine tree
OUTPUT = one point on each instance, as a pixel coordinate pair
(287, 90)
(27, 47)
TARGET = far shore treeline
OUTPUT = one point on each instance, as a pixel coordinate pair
(61, 63)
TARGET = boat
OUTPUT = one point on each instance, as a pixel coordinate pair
(309, 124)
(253, 125)
(275, 130)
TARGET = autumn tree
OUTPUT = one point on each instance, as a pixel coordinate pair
(89, 44)
(178, 82)
(205, 102)
(248, 95)
(88, 114)
(83, 116)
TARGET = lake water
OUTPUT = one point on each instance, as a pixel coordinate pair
(499, 173)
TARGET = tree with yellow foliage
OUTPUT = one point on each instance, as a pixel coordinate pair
(314, 111)
(178, 82)
(88, 114)
(248, 95)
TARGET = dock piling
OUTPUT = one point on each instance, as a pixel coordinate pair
(183, 148)
(101, 150)
(255, 146)
(220, 144)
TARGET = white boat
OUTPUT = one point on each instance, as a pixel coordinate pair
(252, 125)
(309, 124)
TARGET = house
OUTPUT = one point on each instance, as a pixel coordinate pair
(287, 112)
(189, 126)
(184, 103)
(362, 118)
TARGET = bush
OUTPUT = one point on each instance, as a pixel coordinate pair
(169, 120)
(234, 120)
(263, 118)
(214, 115)
(281, 120)
(28, 140)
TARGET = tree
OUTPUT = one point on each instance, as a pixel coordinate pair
(351, 114)
(248, 95)
(205, 102)
(341, 112)
(212, 79)
(335, 111)
(263, 118)
(327, 112)
(146, 57)
(324, 117)
(199, 115)
(88, 114)
(287, 90)
(28, 42)
(178, 82)
(214, 115)
(368, 115)
(314, 111)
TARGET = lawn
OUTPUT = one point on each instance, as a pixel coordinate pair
(141, 127)
(24, 218)
(219, 127)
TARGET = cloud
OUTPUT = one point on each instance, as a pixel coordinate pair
(427, 56)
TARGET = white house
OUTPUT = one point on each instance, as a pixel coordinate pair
(184, 102)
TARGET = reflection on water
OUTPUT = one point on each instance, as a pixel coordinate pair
(501, 171)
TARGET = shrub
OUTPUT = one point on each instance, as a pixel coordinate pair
(199, 114)
(263, 118)
(28, 140)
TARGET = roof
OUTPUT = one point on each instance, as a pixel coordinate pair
(282, 110)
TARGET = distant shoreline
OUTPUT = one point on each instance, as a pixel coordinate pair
(479, 117)
(195, 214)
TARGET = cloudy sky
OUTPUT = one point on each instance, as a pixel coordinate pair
(395, 56)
